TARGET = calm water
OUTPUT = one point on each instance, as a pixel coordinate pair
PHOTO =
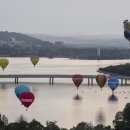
(62, 101)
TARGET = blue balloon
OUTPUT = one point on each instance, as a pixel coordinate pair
(127, 34)
(21, 89)
(113, 83)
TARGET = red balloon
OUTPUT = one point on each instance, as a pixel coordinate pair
(27, 98)
(77, 79)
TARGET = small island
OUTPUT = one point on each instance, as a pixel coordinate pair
(121, 70)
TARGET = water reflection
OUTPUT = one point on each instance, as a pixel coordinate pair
(21, 118)
(3, 86)
(100, 117)
(113, 98)
(77, 111)
(77, 97)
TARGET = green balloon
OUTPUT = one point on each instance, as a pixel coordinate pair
(4, 63)
(34, 60)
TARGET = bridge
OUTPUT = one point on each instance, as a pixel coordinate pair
(51, 77)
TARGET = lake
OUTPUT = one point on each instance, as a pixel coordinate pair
(62, 101)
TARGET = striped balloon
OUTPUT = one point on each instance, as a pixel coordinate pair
(101, 80)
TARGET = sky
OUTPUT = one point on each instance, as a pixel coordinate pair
(64, 17)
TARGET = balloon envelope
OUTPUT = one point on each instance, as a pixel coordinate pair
(27, 98)
(113, 83)
(126, 29)
(34, 60)
(4, 63)
(127, 35)
(77, 79)
(101, 80)
(21, 89)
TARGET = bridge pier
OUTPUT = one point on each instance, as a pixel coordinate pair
(50, 80)
(121, 82)
(125, 81)
(91, 81)
(16, 80)
(88, 81)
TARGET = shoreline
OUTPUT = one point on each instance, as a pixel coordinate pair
(111, 74)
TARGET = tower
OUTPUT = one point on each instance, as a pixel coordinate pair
(98, 53)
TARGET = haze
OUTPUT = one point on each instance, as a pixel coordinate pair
(64, 17)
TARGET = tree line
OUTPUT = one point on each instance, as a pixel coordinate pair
(63, 52)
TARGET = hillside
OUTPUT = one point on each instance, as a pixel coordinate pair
(18, 45)
(103, 41)
(12, 37)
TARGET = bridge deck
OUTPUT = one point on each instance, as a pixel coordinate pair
(43, 76)
(53, 76)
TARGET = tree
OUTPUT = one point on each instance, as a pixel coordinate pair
(122, 119)
(101, 127)
(118, 122)
(126, 113)
(35, 125)
(52, 125)
(23, 125)
(83, 126)
(3, 121)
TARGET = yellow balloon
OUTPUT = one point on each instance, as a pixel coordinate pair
(34, 60)
(4, 63)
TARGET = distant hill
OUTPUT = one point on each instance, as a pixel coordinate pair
(15, 37)
(103, 41)
(17, 44)
(14, 44)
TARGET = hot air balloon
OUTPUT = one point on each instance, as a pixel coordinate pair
(127, 29)
(101, 80)
(21, 89)
(113, 83)
(27, 98)
(77, 79)
(34, 60)
(4, 63)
